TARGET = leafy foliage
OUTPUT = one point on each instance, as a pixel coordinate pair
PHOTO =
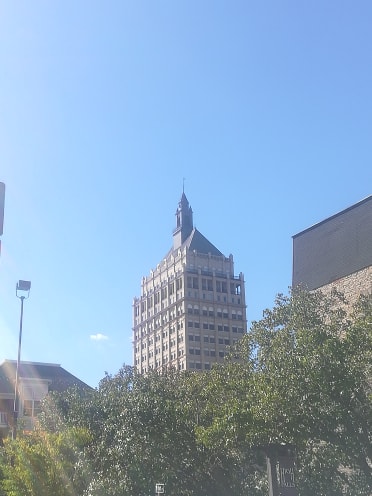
(303, 376)
(308, 383)
(41, 464)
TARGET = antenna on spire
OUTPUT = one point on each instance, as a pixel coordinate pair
(183, 184)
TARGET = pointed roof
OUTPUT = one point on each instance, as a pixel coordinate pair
(184, 222)
(185, 234)
(59, 379)
(196, 241)
(184, 201)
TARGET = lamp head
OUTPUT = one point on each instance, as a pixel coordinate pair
(23, 285)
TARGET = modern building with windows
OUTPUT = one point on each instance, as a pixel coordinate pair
(337, 253)
(192, 305)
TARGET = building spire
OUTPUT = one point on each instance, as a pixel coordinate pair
(184, 220)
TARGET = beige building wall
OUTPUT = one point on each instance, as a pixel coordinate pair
(352, 285)
(191, 310)
(32, 392)
(337, 253)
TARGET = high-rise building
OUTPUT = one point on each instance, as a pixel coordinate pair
(192, 306)
(337, 253)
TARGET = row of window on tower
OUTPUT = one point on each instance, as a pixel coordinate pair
(192, 283)
(212, 327)
(207, 285)
(211, 353)
(151, 301)
(209, 312)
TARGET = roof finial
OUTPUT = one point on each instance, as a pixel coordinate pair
(183, 185)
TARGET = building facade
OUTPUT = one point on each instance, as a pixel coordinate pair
(337, 253)
(36, 380)
(192, 305)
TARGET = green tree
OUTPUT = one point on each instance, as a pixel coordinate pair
(306, 381)
(148, 436)
(303, 376)
(44, 464)
(145, 430)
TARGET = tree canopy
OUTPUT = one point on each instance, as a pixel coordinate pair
(302, 375)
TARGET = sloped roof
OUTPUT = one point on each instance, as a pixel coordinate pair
(57, 376)
(196, 241)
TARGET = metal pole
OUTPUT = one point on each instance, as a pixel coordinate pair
(16, 392)
(271, 472)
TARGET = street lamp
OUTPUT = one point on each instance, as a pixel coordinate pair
(22, 292)
(2, 201)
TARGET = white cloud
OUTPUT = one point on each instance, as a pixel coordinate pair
(98, 337)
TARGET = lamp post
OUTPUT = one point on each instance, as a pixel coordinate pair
(22, 292)
(2, 201)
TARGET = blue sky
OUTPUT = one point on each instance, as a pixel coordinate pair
(265, 107)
